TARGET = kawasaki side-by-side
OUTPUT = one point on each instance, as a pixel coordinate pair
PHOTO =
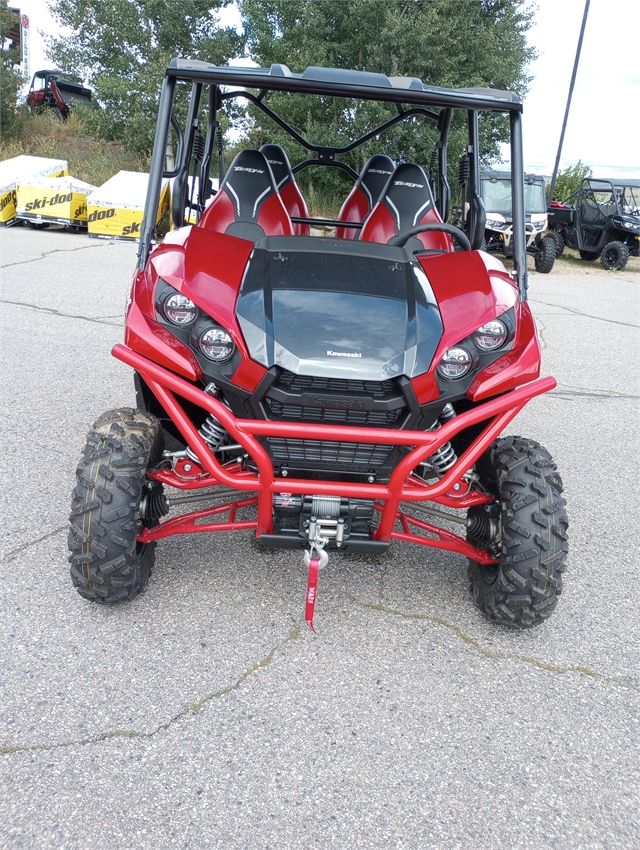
(330, 393)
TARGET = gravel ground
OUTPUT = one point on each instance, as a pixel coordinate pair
(204, 714)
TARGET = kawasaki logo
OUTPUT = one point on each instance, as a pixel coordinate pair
(342, 354)
(40, 203)
(339, 403)
(410, 185)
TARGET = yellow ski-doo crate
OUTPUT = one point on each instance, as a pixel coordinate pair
(115, 210)
(54, 200)
(18, 170)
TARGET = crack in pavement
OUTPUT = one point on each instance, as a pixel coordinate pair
(586, 315)
(53, 251)
(197, 707)
(574, 392)
(13, 553)
(500, 656)
(100, 320)
(194, 708)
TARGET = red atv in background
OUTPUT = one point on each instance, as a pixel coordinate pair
(56, 90)
(340, 392)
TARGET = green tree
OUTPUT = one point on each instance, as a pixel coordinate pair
(122, 48)
(10, 79)
(568, 180)
(443, 42)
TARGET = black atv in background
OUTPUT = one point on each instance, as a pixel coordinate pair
(56, 90)
(498, 234)
(597, 221)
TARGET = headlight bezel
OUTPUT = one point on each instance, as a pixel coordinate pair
(230, 345)
(188, 307)
(480, 357)
(499, 338)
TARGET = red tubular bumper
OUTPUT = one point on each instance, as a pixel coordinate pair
(497, 413)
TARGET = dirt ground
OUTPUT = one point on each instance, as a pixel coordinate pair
(571, 263)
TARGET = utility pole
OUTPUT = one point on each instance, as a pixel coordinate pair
(566, 114)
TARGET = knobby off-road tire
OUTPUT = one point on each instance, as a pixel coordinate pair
(107, 565)
(546, 255)
(522, 589)
(558, 235)
(615, 255)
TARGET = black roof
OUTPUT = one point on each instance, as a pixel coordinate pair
(339, 82)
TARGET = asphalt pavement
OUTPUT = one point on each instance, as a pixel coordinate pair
(205, 714)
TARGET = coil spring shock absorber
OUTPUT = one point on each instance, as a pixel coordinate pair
(211, 431)
(444, 457)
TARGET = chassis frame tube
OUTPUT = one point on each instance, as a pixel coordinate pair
(497, 413)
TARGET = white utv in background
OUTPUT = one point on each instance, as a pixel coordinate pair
(496, 194)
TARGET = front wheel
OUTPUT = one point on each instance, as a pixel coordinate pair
(108, 565)
(615, 255)
(526, 529)
(546, 255)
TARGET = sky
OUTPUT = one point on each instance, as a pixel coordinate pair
(603, 130)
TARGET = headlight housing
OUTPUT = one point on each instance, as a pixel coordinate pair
(455, 363)
(217, 345)
(179, 310)
(491, 336)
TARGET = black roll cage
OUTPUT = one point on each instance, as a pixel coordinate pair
(411, 97)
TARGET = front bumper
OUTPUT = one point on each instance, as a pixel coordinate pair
(403, 486)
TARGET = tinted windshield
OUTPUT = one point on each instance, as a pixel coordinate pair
(497, 196)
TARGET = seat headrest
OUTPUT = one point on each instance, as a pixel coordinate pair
(280, 165)
(374, 175)
(248, 183)
(407, 196)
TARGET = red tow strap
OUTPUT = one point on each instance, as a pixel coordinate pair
(312, 591)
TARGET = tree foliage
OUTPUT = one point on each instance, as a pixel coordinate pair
(568, 181)
(443, 42)
(122, 48)
(10, 79)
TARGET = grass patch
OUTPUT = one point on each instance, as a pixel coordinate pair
(90, 159)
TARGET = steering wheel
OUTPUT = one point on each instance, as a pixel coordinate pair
(456, 234)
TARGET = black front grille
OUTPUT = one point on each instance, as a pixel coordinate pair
(310, 383)
(333, 416)
(293, 451)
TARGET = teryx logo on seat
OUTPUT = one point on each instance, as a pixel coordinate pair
(410, 185)
(249, 170)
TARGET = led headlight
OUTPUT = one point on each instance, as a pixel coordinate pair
(491, 336)
(455, 363)
(216, 344)
(179, 309)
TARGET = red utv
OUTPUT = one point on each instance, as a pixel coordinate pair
(347, 391)
(56, 90)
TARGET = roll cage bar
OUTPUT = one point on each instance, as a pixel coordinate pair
(410, 95)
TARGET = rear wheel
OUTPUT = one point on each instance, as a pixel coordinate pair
(525, 527)
(615, 255)
(558, 235)
(589, 255)
(546, 255)
(107, 563)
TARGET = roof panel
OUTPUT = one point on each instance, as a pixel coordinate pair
(340, 82)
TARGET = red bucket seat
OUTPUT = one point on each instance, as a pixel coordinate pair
(287, 186)
(247, 204)
(405, 202)
(367, 189)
